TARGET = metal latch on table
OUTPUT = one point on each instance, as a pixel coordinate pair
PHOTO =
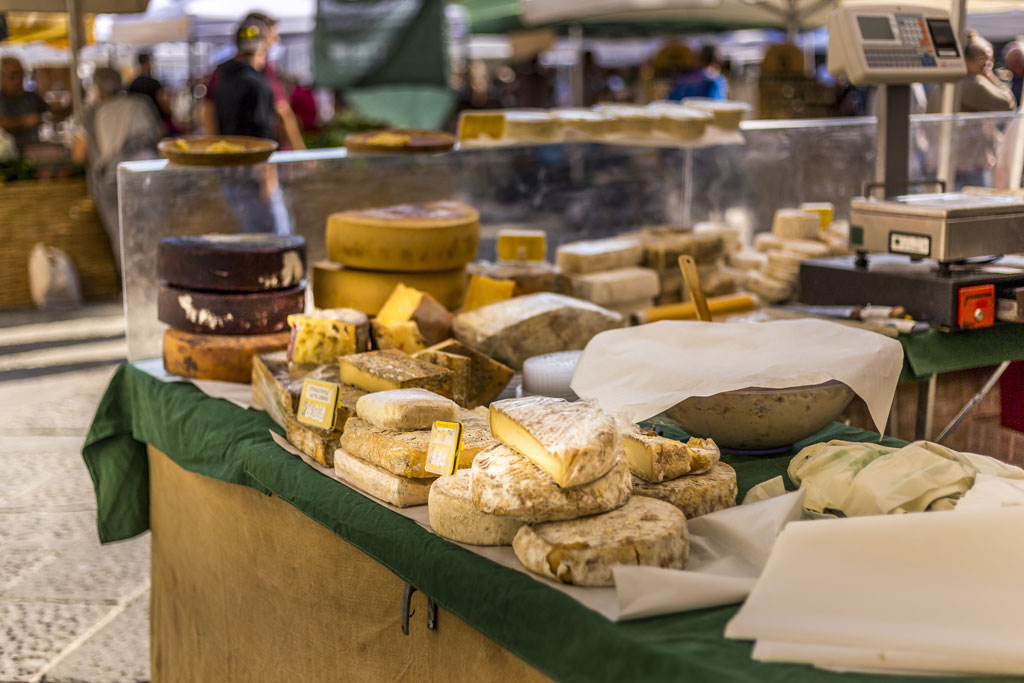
(408, 612)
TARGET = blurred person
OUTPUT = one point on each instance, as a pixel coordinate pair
(116, 127)
(1013, 59)
(243, 100)
(980, 90)
(21, 111)
(144, 84)
(531, 86)
(593, 80)
(705, 80)
(303, 102)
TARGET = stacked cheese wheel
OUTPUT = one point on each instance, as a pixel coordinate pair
(425, 246)
(227, 298)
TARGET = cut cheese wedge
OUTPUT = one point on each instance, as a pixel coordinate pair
(460, 366)
(483, 291)
(321, 336)
(454, 516)
(408, 304)
(404, 336)
(406, 409)
(487, 377)
(276, 384)
(335, 286)
(655, 458)
(574, 443)
(399, 491)
(694, 494)
(506, 483)
(391, 369)
(644, 532)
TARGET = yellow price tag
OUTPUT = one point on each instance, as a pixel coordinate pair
(444, 449)
(318, 404)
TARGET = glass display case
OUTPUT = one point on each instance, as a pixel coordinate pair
(571, 190)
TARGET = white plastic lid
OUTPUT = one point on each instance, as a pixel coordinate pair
(550, 374)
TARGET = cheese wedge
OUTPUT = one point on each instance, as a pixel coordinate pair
(655, 458)
(318, 444)
(483, 290)
(644, 532)
(591, 256)
(408, 304)
(406, 409)
(611, 287)
(575, 443)
(454, 516)
(405, 452)
(404, 336)
(460, 367)
(507, 483)
(487, 377)
(391, 369)
(694, 494)
(320, 337)
(399, 491)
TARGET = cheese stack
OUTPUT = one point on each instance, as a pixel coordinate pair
(227, 298)
(662, 247)
(607, 272)
(371, 251)
(688, 475)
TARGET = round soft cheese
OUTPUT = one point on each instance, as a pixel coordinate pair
(694, 494)
(453, 515)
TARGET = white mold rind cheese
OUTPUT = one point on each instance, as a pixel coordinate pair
(505, 483)
(454, 516)
(406, 409)
(644, 532)
(694, 494)
(655, 458)
(399, 491)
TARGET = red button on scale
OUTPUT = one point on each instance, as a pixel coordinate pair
(977, 306)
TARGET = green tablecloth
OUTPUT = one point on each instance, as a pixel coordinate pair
(935, 352)
(544, 627)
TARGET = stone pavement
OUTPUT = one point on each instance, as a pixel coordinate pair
(70, 609)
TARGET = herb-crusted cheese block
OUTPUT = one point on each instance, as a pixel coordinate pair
(391, 369)
(318, 444)
(406, 409)
(505, 483)
(399, 491)
(644, 532)
(513, 330)
(405, 453)
(321, 336)
(694, 494)
(655, 458)
(574, 443)
(487, 377)
(454, 516)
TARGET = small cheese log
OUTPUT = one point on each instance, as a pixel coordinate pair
(320, 337)
(405, 453)
(694, 494)
(391, 369)
(483, 291)
(643, 532)
(460, 367)
(454, 516)
(514, 330)
(404, 336)
(406, 409)
(487, 377)
(522, 245)
(507, 483)
(221, 357)
(616, 286)
(408, 304)
(399, 491)
(575, 443)
(318, 444)
(591, 256)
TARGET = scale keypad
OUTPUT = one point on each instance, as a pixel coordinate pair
(914, 48)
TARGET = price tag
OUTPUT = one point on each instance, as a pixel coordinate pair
(444, 449)
(318, 404)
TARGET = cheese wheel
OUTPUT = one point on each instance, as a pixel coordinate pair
(366, 290)
(220, 357)
(232, 263)
(228, 313)
(408, 238)
(695, 494)
(453, 515)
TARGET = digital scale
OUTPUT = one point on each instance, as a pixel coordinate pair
(939, 255)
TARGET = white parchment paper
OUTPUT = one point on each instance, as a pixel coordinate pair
(641, 371)
(239, 394)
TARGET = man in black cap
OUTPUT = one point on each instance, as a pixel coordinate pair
(243, 99)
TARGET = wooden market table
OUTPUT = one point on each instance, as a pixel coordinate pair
(265, 570)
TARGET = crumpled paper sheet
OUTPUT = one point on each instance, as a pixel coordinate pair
(990, 492)
(641, 371)
(239, 394)
(870, 479)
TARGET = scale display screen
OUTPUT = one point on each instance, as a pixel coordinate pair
(875, 28)
(943, 37)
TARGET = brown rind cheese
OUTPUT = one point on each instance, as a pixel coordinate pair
(232, 263)
(217, 357)
(228, 313)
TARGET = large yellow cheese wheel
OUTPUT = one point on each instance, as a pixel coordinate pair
(224, 357)
(335, 286)
(405, 238)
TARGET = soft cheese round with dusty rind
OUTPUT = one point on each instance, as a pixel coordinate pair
(506, 483)
(574, 443)
(454, 516)
(694, 494)
(644, 532)
(406, 409)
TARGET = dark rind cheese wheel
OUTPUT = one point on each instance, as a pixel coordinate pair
(226, 313)
(232, 263)
(205, 356)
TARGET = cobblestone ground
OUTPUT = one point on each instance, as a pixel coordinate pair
(70, 609)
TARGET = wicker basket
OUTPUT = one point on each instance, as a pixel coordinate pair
(59, 214)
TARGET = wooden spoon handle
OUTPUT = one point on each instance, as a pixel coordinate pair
(692, 279)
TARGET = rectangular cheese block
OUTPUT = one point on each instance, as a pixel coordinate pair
(403, 335)
(320, 337)
(516, 244)
(627, 308)
(575, 443)
(406, 409)
(481, 124)
(391, 369)
(487, 377)
(460, 367)
(409, 304)
(512, 331)
(405, 452)
(399, 491)
(591, 256)
(273, 384)
(318, 444)
(611, 287)
(662, 249)
(483, 290)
